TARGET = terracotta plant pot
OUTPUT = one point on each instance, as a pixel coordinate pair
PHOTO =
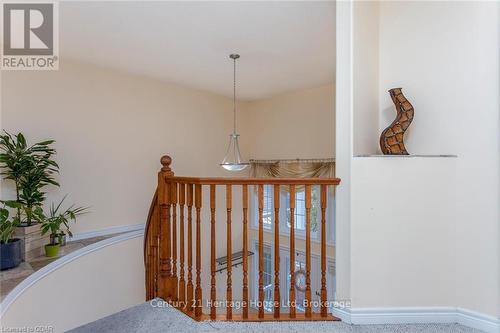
(52, 250)
(10, 254)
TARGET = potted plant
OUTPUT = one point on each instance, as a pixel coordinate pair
(10, 248)
(55, 222)
(31, 168)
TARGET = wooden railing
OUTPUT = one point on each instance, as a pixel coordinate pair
(170, 275)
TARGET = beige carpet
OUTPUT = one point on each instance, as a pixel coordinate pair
(145, 318)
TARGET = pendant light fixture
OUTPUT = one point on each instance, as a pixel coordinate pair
(232, 161)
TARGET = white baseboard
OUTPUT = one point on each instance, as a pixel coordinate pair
(478, 320)
(417, 315)
(107, 231)
(343, 314)
(407, 315)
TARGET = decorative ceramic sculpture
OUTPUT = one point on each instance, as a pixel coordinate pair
(391, 139)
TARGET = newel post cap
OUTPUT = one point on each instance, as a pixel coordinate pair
(165, 162)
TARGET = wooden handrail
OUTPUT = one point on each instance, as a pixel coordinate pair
(166, 248)
(254, 181)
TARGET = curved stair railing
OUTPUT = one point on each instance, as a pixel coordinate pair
(170, 275)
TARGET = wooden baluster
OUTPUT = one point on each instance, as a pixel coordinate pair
(165, 287)
(148, 263)
(292, 253)
(168, 243)
(324, 310)
(261, 250)
(156, 256)
(308, 309)
(164, 245)
(198, 293)
(182, 282)
(213, 295)
(229, 294)
(189, 287)
(152, 265)
(173, 196)
(151, 260)
(277, 298)
(151, 276)
(245, 251)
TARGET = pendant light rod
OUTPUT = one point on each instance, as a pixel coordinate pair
(234, 56)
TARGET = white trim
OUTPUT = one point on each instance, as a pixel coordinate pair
(343, 314)
(40, 274)
(419, 315)
(343, 146)
(478, 320)
(404, 315)
(107, 231)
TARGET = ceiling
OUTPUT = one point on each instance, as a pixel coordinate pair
(284, 46)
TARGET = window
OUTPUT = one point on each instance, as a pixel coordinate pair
(267, 214)
(299, 213)
(267, 277)
(300, 210)
(268, 267)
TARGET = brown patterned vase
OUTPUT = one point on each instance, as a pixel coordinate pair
(391, 139)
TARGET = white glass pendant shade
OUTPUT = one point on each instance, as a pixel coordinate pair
(233, 161)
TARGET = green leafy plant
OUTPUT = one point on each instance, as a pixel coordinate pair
(7, 226)
(31, 168)
(58, 219)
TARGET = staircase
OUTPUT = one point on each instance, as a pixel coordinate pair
(168, 246)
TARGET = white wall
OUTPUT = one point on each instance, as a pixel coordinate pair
(445, 56)
(292, 125)
(366, 77)
(403, 229)
(450, 71)
(111, 130)
(108, 280)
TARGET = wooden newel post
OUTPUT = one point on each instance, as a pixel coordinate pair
(167, 282)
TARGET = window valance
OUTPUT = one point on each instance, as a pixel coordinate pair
(297, 168)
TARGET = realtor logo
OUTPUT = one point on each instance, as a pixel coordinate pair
(30, 36)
